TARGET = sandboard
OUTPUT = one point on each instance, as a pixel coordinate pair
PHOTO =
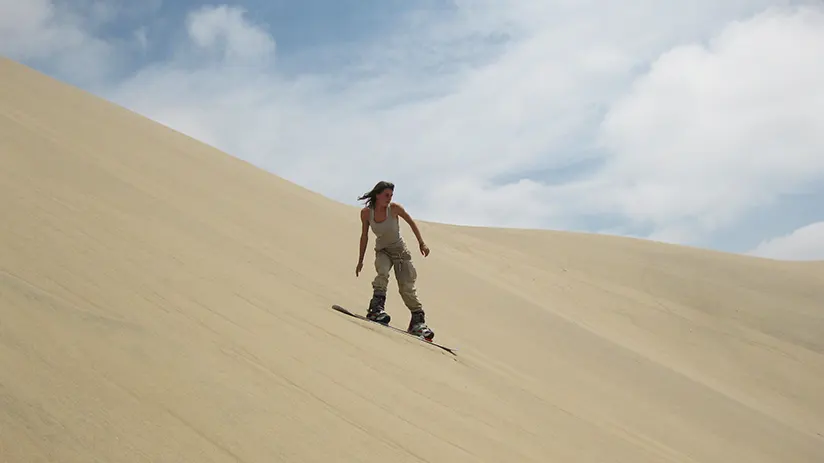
(421, 338)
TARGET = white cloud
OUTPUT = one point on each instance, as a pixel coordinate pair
(141, 38)
(805, 243)
(713, 132)
(697, 132)
(38, 31)
(62, 36)
(227, 28)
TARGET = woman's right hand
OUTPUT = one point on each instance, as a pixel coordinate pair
(358, 268)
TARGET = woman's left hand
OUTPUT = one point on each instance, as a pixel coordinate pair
(424, 249)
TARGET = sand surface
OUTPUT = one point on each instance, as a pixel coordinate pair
(161, 301)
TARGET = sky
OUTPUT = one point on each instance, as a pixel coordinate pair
(690, 122)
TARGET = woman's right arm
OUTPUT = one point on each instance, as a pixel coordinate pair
(364, 238)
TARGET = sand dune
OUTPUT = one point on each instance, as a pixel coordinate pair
(163, 301)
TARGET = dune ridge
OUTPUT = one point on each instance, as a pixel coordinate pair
(163, 301)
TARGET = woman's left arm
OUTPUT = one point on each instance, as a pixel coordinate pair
(405, 215)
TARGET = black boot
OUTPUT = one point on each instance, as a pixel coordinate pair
(417, 325)
(376, 309)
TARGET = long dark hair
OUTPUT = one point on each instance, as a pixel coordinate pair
(371, 195)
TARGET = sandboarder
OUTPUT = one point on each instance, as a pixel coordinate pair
(382, 216)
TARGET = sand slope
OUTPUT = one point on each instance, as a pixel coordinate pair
(162, 301)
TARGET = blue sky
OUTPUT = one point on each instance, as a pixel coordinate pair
(695, 122)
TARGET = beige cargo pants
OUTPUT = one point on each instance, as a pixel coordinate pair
(397, 257)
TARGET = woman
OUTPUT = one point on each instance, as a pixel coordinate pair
(382, 215)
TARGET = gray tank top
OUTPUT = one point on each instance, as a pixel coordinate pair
(387, 232)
